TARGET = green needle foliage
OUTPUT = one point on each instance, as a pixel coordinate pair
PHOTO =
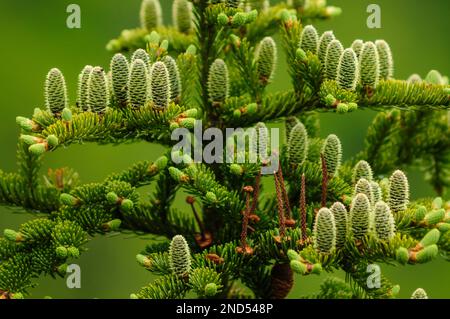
(235, 238)
(55, 91)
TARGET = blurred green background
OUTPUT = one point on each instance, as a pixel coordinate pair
(35, 38)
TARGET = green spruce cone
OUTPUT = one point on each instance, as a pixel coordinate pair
(179, 256)
(402, 255)
(153, 39)
(66, 115)
(332, 152)
(324, 231)
(182, 15)
(434, 77)
(293, 255)
(386, 60)
(119, 76)
(126, 205)
(398, 192)
(431, 238)
(419, 293)
(342, 223)
(363, 187)
(431, 218)
(222, 19)
(174, 77)
(347, 71)
(160, 85)
(218, 82)
(289, 123)
(211, 289)
(298, 145)
(83, 80)
(360, 216)
(98, 94)
(324, 41)
(309, 39)
(376, 191)
(437, 203)
(141, 54)
(298, 267)
(415, 78)
(151, 14)
(427, 254)
(384, 221)
(334, 52)
(357, 46)
(138, 84)
(266, 59)
(55, 91)
(420, 213)
(239, 19)
(362, 169)
(369, 65)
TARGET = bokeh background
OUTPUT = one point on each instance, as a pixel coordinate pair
(35, 38)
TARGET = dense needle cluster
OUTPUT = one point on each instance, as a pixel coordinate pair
(235, 237)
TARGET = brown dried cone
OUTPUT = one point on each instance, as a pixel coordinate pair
(281, 217)
(215, 259)
(244, 248)
(283, 191)
(282, 281)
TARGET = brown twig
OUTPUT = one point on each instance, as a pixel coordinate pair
(256, 193)
(280, 205)
(191, 200)
(324, 181)
(303, 207)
